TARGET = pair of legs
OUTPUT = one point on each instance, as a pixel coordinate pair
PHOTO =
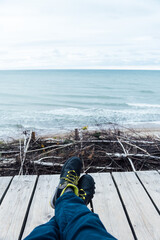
(72, 220)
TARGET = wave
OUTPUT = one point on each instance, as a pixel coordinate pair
(144, 105)
(147, 91)
(83, 104)
(10, 125)
(84, 96)
(69, 118)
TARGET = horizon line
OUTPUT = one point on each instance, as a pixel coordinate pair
(36, 69)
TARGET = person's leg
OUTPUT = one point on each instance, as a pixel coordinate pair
(47, 231)
(76, 221)
(69, 178)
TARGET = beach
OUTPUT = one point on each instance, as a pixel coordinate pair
(58, 101)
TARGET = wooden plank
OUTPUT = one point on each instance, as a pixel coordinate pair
(41, 211)
(13, 208)
(151, 181)
(4, 183)
(143, 215)
(109, 208)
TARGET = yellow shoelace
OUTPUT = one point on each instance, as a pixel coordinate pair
(71, 177)
(82, 194)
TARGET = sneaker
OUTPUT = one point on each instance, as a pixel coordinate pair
(68, 179)
(86, 187)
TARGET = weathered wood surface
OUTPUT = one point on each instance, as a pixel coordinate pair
(40, 210)
(107, 204)
(4, 183)
(14, 206)
(151, 181)
(124, 206)
(142, 213)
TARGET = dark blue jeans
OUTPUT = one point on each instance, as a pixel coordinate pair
(72, 221)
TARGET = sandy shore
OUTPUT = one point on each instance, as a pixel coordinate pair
(152, 131)
(142, 130)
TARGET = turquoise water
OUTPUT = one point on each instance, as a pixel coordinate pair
(49, 101)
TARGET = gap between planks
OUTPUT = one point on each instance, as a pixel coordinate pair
(40, 209)
(109, 208)
(14, 206)
(4, 185)
(142, 213)
(151, 183)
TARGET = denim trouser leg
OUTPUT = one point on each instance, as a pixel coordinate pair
(76, 221)
(47, 231)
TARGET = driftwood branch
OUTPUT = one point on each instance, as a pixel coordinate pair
(119, 155)
(26, 146)
(133, 145)
(58, 148)
(7, 162)
(44, 148)
(51, 164)
(115, 141)
(132, 165)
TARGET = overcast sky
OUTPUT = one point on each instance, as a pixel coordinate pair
(73, 34)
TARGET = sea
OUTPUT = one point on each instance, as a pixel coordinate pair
(57, 101)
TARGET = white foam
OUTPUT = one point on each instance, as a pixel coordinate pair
(70, 112)
(12, 124)
(144, 105)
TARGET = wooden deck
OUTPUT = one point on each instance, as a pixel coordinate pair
(128, 204)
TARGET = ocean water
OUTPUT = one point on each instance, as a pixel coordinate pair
(52, 101)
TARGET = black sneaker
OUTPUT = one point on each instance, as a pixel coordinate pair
(68, 179)
(86, 187)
